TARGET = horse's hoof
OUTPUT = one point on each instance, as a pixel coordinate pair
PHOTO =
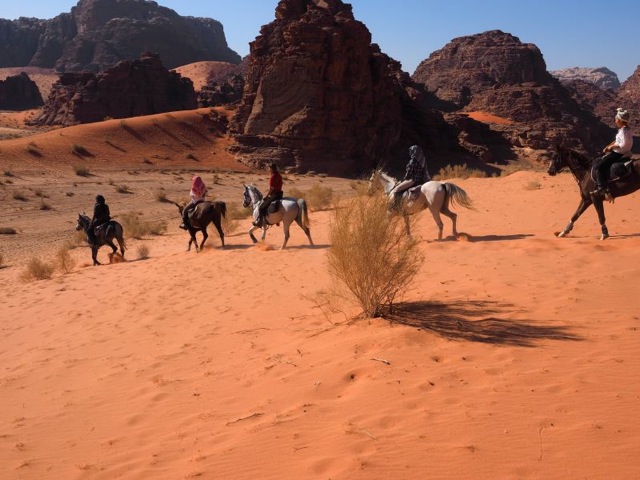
(604, 236)
(561, 234)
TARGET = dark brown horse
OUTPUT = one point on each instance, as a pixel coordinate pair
(622, 183)
(200, 217)
(104, 234)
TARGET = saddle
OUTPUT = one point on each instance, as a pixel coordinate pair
(273, 207)
(621, 170)
(194, 221)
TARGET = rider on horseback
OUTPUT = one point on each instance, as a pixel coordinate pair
(416, 174)
(275, 193)
(198, 193)
(101, 215)
(617, 151)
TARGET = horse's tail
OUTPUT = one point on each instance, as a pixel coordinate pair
(221, 207)
(120, 234)
(304, 212)
(458, 196)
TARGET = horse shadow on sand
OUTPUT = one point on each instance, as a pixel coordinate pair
(455, 322)
(488, 238)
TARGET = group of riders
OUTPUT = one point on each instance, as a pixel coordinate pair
(619, 150)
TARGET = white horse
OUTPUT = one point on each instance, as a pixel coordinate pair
(289, 210)
(436, 196)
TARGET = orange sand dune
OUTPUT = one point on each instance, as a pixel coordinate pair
(513, 356)
(198, 72)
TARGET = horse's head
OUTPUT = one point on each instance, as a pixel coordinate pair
(83, 222)
(558, 161)
(251, 195)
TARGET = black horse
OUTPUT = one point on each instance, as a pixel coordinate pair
(624, 179)
(200, 217)
(104, 235)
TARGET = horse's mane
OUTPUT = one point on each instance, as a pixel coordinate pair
(583, 159)
(255, 190)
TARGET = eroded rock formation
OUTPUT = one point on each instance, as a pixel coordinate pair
(494, 72)
(128, 89)
(601, 77)
(19, 92)
(97, 34)
(320, 96)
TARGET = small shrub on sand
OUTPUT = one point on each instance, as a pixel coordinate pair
(533, 185)
(122, 189)
(81, 170)
(79, 150)
(371, 256)
(161, 195)
(44, 205)
(64, 262)
(319, 197)
(143, 252)
(458, 171)
(36, 269)
(20, 197)
(235, 213)
(7, 231)
(135, 227)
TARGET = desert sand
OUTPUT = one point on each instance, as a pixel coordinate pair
(512, 355)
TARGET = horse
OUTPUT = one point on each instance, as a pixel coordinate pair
(434, 195)
(104, 234)
(200, 217)
(582, 169)
(289, 209)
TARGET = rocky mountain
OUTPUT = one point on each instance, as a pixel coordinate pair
(628, 96)
(97, 34)
(601, 77)
(19, 92)
(495, 73)
(128, 89)
(319, 95)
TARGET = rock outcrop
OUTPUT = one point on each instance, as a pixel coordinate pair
(320, 96)
(601, 77)
(97, 34)
(128, 89)
(494, 72)
(223, 87)
(19, 92)
(628, 96)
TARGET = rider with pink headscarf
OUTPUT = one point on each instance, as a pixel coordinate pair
(198, 193)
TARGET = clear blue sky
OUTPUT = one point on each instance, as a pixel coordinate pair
(569, 33)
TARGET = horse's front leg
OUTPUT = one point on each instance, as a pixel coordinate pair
(599, 206)
(192, 239)
(264, 233)
(253, 238)
(94, 255)
(406, 224)
(584, 204)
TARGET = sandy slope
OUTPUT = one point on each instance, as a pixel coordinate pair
(514, 355)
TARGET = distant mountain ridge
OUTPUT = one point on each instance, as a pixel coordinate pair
(97, 34)
(601, 77)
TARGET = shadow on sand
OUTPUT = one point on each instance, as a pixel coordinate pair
(453, 322)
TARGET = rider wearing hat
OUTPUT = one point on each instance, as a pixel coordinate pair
(617, 151)
(101, 215)
(275, 193)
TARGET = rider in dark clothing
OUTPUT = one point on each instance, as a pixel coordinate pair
(275, 193)
(101, 215)
(416, 174)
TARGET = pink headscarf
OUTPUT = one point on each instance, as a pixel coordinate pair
(198, 187)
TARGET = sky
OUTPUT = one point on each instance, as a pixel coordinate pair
(569, 33)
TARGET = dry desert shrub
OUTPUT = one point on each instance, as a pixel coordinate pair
(36, 269)
(458, 171)
(81, 170)
(235, 212)
(135, 227)
(317, 197)
(371, 256)
(533, 185)
(7, 231)
(143, 252)
(161, 195)
(64, 262)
